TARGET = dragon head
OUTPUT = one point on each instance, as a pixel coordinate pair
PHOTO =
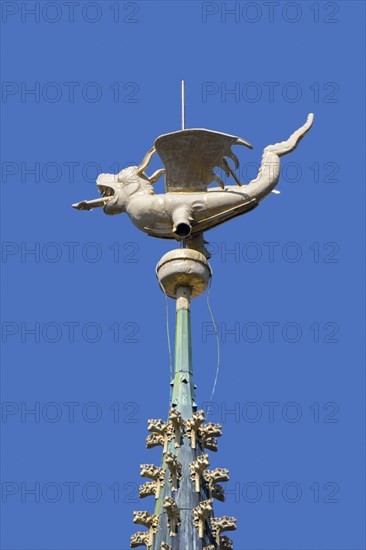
(116, 189)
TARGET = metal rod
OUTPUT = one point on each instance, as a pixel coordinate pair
(183, 298)
(183, 105)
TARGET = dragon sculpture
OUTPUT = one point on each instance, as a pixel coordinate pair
(189, 207)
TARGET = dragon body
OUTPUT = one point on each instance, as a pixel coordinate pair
(189, 207)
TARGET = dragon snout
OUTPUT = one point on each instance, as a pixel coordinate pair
(106, 185)
(107, 192)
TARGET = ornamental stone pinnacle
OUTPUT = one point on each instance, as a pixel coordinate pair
(193, 425)
(173, 513)
(197, 468)
(175, 468)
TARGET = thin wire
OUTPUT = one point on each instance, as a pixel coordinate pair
(167, 329)
(168, 337)
(183, 105)
(217, 340)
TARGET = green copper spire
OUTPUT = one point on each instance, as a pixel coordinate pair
(182, 406)
(183, 486)
(183, 396)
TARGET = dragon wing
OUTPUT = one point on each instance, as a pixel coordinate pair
(190, 157)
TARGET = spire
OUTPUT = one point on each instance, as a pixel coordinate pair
(183, 486)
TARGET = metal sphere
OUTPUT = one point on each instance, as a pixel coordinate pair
(183, 267)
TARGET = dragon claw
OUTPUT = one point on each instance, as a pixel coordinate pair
(234, 158)
(219, 181)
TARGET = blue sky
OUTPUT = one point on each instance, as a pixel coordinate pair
(87, 87)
